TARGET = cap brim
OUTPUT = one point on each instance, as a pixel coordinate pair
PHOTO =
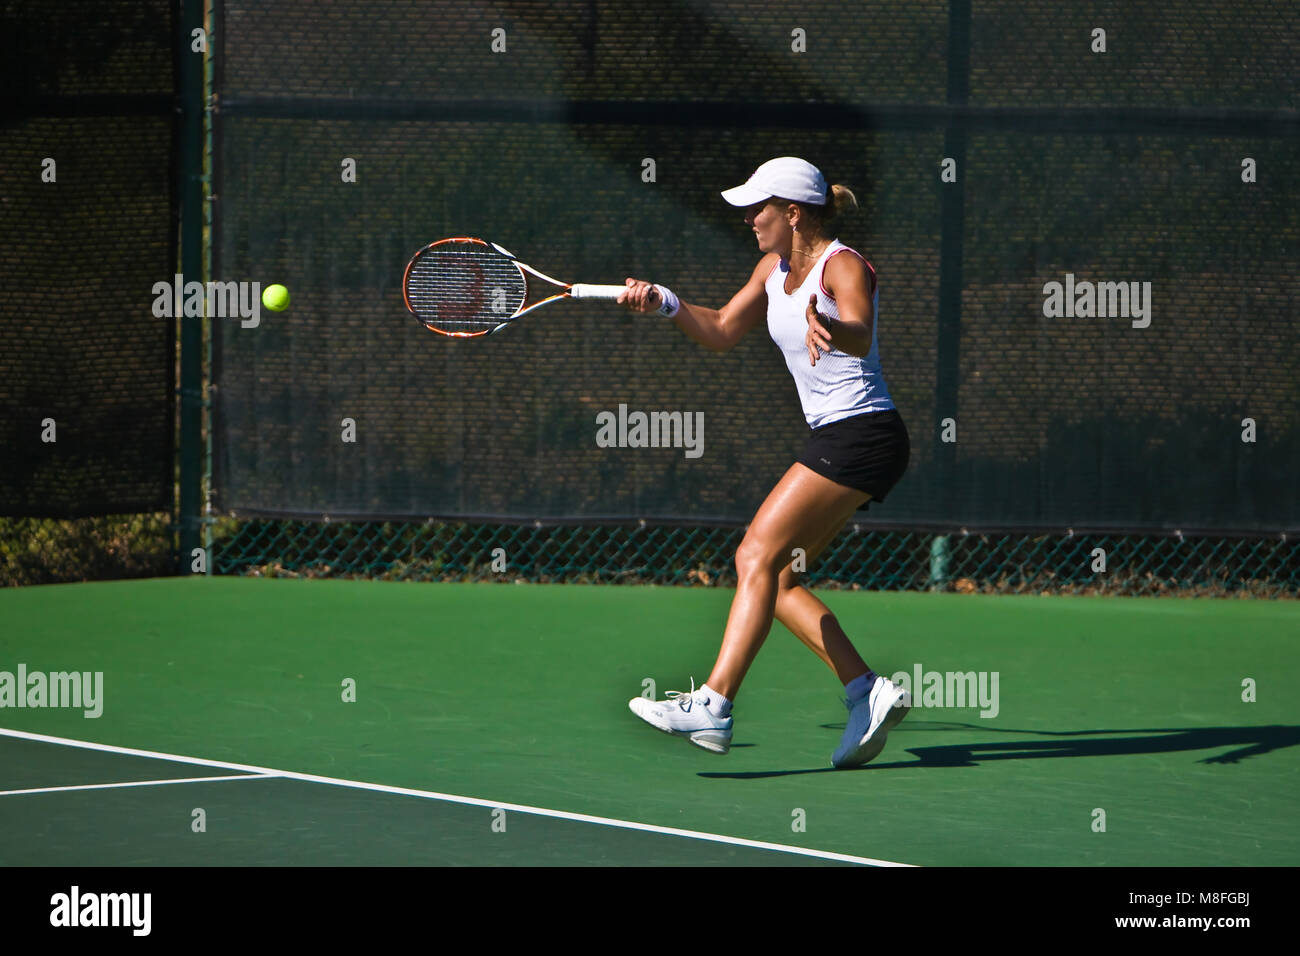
(745, 195)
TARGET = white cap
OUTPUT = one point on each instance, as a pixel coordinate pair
(786, 177)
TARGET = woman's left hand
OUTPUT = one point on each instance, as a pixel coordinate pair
(818, 338)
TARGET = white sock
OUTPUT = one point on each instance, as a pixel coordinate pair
(715, 703)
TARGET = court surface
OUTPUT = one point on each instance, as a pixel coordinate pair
(490, 726)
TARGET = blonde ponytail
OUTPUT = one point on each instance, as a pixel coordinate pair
(842, 201)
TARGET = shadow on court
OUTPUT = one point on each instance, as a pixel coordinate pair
(1246, 741)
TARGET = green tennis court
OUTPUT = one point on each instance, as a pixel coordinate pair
(490, 726)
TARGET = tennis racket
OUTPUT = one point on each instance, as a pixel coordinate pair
(467, 287)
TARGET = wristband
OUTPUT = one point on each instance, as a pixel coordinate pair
(668, 302)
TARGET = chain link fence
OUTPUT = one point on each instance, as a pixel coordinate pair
(861, 558)
(48, 551)
(588, 56)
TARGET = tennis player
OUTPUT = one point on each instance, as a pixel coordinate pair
(819, 298)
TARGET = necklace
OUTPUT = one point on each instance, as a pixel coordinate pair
(812, 255)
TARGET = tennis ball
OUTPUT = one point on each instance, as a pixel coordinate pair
(275, 298)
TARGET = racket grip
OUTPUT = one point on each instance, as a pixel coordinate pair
(583, 291)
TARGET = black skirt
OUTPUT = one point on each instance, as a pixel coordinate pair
(868, 452)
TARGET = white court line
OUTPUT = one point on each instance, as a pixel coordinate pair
(452, 798)
(139, 783)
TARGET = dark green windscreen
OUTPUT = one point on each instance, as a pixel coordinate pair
(87, 218)
(1123, 166)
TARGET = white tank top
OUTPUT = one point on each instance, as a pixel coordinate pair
(839, 385)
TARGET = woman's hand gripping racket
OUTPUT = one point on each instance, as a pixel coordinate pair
(467, 287)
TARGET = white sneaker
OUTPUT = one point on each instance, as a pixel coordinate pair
(686, 715)
(870, 721)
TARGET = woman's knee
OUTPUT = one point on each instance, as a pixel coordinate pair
(756, 557)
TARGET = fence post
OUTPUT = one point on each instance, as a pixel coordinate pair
(939, 559)
(951, 246)
(189, 191)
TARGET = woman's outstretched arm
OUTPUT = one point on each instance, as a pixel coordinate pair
(716, 329)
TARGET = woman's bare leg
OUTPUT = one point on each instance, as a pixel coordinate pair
(808, 619)
(803, 509)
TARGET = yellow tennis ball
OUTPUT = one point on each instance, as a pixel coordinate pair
(275, 298)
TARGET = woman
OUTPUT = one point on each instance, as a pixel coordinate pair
(819, 298)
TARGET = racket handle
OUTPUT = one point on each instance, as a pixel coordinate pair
(583, 291)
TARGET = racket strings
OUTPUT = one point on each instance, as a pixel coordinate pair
(465, 288)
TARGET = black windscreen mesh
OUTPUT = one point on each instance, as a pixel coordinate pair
(88, 86)
(1058, 422)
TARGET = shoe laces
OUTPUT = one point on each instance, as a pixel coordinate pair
(680, 699)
